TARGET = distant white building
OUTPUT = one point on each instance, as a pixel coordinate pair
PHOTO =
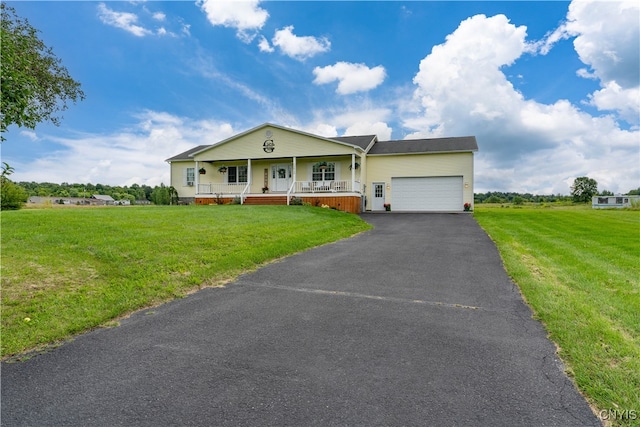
(108, 200)
(604, 202)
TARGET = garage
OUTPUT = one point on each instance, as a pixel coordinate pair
(427, 194)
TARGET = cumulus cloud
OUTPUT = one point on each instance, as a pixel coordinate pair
(264, 45)
(245, 16)
(128, 156)
(299, 47)
(123, 20)
(606, 38)
(351, 78)
(381, 129)
(462, 90)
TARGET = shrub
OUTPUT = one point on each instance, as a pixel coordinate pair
(13, 196)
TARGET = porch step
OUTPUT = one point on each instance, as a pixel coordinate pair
(269, 200)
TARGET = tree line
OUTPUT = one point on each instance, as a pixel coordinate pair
(160, 194)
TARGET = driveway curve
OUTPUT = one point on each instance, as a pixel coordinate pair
(412, 323)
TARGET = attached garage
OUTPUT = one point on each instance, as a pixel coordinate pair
(427, 194)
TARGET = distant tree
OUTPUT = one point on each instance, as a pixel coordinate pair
(518, 200)
(35, 84)
(606, 193)
(583, 189)
(634, 192)
(12, 196)
(161, 195)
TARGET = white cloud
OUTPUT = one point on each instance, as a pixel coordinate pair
(297, 47)
(123, 20)
(607, 35)
(245, 16)
(159, 16)
(29, 134)
(321, 129)
(607, 38)
(127, 156)
(524, 145)
(614, 98)
(381, 129)
(264, 45)
(352, 78)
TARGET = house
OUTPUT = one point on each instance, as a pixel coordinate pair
(103, 199)
(604, 202)
(271, 164)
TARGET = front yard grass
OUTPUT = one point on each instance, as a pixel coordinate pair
(65, 271)
(579, 269)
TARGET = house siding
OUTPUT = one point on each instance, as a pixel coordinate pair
(286, 144)
(383, 168)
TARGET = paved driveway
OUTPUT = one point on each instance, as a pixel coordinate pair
(413, 323)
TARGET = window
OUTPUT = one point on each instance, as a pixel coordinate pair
(327, 173)
(189, 176)
(237, 174)
(378, 190)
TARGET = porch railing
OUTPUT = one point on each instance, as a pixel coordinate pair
(326, 186)
(222, 188)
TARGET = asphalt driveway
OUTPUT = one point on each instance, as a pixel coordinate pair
(413, 323)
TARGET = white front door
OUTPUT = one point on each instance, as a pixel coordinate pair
(377, 201)
(281, 177)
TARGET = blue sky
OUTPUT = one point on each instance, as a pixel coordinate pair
(551, 90)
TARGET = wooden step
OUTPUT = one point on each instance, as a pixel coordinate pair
(271, 200)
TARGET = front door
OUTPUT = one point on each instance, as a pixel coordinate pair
(377, 202)
(281, 177)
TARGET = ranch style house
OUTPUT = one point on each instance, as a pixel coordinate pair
(272, 164)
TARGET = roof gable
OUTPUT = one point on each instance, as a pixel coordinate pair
(273, 141)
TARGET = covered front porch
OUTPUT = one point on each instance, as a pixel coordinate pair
(334, 181)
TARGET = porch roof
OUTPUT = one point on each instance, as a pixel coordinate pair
(187, 154)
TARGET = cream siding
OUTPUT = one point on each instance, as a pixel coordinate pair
(286, 144)
(383, 168)
(177, 178)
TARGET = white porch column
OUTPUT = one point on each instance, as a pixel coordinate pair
(353, 172)
(249, 172)
(197, 176)
(295, 162)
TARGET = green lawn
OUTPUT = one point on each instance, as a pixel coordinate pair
(579, 269)
(67, 270)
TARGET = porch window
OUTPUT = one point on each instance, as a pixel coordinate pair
(237, 174)
(189, 176)
(326, 174)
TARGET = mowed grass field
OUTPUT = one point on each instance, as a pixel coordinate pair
(579, 270)
(67, 270)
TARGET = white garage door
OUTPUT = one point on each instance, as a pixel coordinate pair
(428, 194)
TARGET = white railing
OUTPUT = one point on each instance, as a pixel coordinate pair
(244, 193)
(325, 187)
(212, 188)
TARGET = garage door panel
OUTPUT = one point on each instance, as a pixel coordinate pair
(429, 194)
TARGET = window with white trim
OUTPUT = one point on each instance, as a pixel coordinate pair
(237, 174)
(189, 176)
(324, 173)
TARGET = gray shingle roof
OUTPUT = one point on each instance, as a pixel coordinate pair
(187, 154)
(361, 141)
(404, 146)
(432, 145)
